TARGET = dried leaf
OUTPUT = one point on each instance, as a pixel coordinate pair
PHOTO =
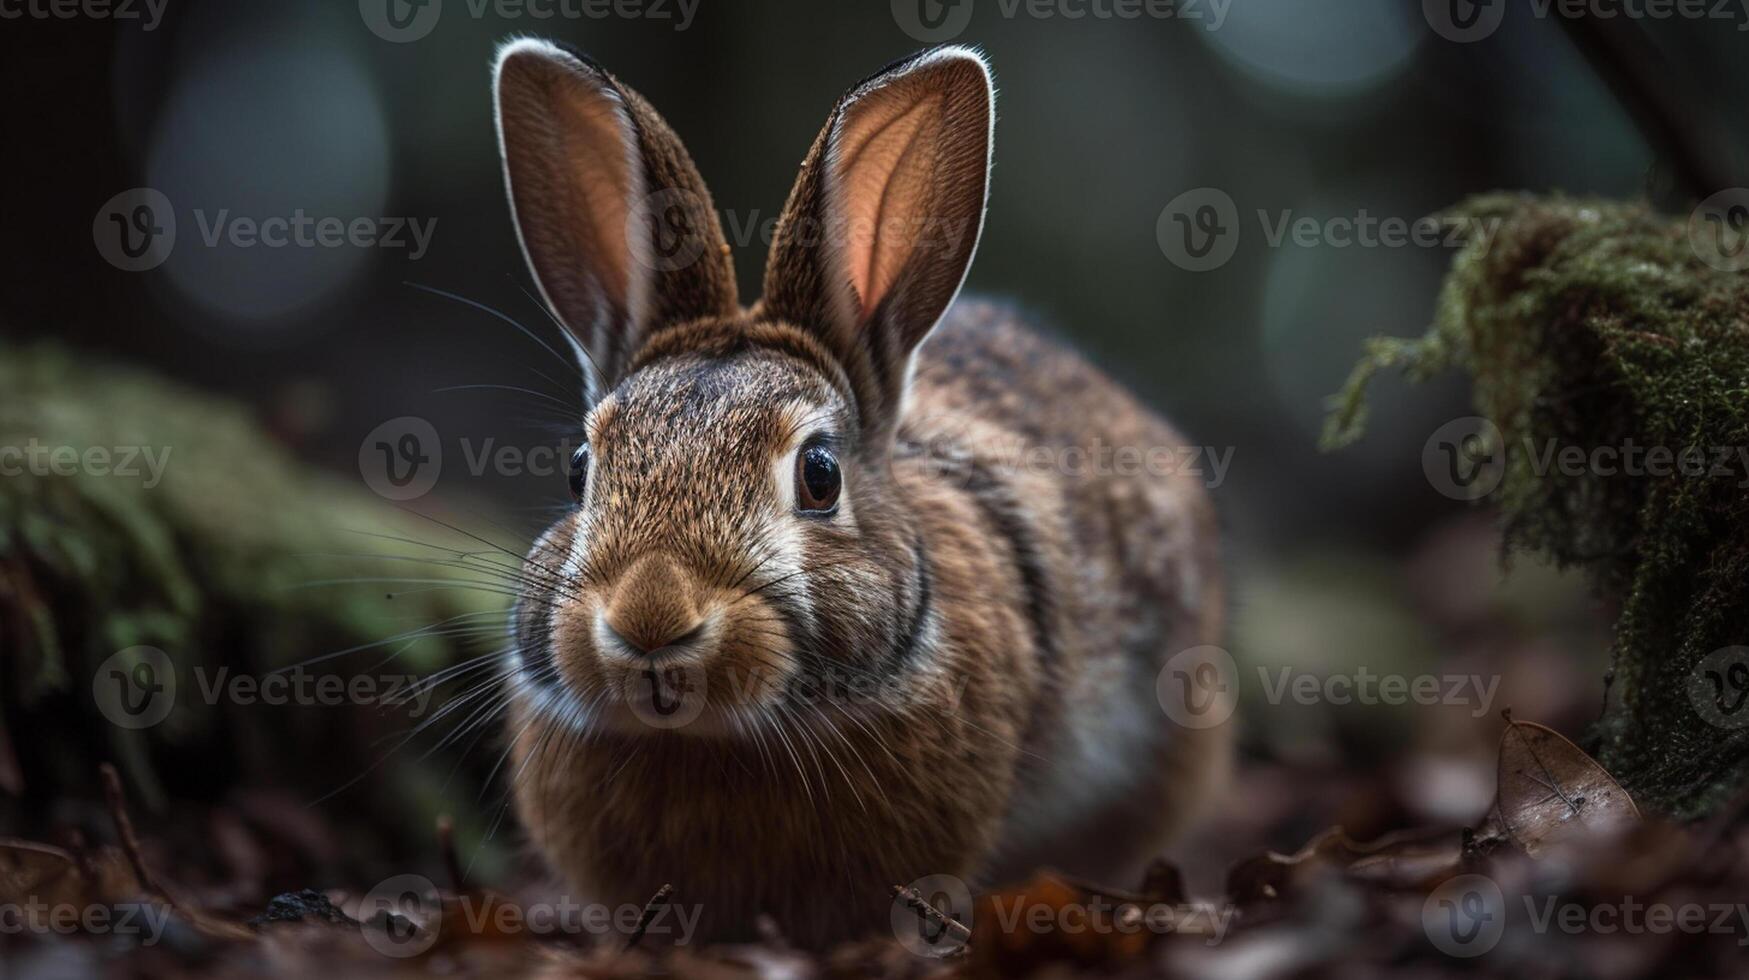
(28, 869)
(1051, 919)
(97, 876)
(1405, 860)
(1551, 792)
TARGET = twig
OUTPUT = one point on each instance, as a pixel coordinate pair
(124, 828)
(203, 922)
(916, 904)
(446, 844)
(655, 905)
(11, 775)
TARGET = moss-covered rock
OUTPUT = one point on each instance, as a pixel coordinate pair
(136, 513)
(1592, 324)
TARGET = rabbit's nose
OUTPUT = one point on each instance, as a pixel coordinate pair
(653, 605)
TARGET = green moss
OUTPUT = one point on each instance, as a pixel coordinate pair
(214, 559)
(1592, 324)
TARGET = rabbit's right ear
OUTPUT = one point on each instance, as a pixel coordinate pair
(613, 218)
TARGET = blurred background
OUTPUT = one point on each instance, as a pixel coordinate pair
(1341, 110)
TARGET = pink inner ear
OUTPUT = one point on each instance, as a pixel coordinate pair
(569, 147)
(887, 151)
(596, 147)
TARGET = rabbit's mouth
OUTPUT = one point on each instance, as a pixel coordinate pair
(714, 679)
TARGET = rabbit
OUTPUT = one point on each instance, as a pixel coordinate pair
(810, 630)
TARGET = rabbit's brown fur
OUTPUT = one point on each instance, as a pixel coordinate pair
(952, 673)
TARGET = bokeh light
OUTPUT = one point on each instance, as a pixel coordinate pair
(1319, 50)
(273, 128)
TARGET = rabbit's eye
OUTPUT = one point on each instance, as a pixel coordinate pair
(817, 480)
(579, 472)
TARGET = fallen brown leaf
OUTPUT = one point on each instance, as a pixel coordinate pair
(1551, 792)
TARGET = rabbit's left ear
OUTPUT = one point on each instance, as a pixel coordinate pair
(880, 228)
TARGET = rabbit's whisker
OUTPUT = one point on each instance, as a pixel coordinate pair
(505, 317)
(504, 387)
